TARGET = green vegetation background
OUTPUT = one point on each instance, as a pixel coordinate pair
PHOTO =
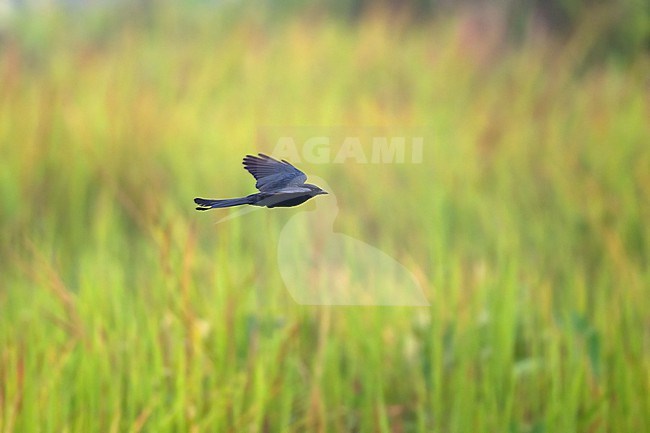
(122, 309)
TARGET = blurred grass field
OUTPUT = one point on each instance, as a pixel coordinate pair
(124, 310)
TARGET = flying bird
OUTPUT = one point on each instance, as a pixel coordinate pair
(280, 184)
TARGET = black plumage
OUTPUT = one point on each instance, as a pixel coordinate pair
(280, 185)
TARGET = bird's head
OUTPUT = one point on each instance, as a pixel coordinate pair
(315, 190)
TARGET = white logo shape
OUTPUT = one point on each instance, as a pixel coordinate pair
(321, 267)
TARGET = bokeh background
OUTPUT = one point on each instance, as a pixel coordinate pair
(124, 310)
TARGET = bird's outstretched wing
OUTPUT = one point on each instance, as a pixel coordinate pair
(271, 174)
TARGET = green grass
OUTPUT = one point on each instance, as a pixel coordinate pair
(123, 309)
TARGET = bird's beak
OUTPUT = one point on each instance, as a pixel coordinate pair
(323, 192)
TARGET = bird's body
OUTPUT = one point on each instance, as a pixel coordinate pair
(280, 185)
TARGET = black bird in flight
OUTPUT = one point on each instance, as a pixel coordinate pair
(280, 185)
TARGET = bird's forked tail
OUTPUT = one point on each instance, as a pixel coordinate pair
(206, 204)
